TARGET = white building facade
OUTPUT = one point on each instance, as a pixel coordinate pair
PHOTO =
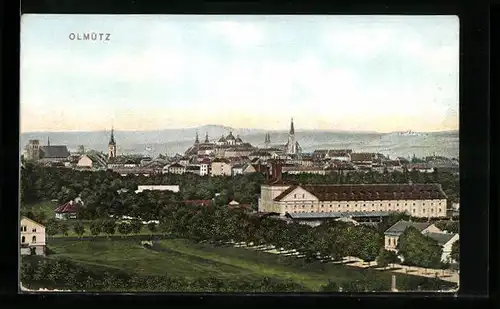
(32, 237)
(339, 198)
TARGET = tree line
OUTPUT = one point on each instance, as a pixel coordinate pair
(100, 189)
(109, 227)
(39, 272)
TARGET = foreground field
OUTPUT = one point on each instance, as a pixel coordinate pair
(181, 258)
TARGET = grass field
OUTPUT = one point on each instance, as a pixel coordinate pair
(185, 259)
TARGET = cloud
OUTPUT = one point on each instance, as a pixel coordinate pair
(370, 75)
(239, 35)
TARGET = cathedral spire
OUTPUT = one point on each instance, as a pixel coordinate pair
(197, 140)
(206, 138)
(292, 129)
(112, 139)
(48, 141)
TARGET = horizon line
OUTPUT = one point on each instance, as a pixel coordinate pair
(256, 129)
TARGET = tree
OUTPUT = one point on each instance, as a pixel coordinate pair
(96, 227)
(455, 251)
(52, 227)
(152, 227)
(109, 227)
(386, 257)
(135, 226)
(418, 249)
(64, 228)
(79, 229)
(124, 228)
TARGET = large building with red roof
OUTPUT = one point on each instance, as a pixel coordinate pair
(418, 200)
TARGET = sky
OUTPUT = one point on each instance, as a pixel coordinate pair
(362, 73)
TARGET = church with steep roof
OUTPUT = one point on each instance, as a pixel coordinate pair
(292, 147)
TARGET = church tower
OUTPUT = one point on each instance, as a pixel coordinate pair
(206, 138)
(292, 146)
(112, 145)
(267, 141)
(197, 140)
(33, 150)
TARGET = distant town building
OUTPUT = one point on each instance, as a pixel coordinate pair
(292, 147)
(112, 145)
(362, 159)
(49, 153)
(267, 140)
(220, 167)
(177, 168)
(92, 160)
(172, 188)
(193, 169)
(238, 169)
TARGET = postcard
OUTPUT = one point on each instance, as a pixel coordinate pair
(239, 153)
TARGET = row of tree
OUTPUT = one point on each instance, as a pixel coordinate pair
(221, 225)
(107, 226)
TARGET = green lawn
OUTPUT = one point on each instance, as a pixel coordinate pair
(190, 260)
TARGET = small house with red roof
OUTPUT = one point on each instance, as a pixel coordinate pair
(68, 210)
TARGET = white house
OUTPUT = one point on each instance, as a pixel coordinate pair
(446, 241)
(393, 233)
(32, 240)
(238, 169)
(220, 167)
(92, 160)
(173, 188)
(177, 168)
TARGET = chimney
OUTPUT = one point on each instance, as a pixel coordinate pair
(393, 284)
(279, 169)
(276, 171)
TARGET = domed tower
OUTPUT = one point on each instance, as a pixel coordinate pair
(112, 145)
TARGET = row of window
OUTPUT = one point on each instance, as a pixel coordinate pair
(322, 206)
(322, 211)
(356, 205)
(392, 242)
(23, 239)
(24, 229)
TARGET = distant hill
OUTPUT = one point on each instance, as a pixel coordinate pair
(173, 141)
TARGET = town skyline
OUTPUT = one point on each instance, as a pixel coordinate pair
(342, 73)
